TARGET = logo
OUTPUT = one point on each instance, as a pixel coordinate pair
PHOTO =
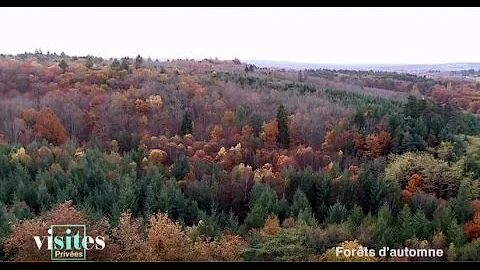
(69, 242)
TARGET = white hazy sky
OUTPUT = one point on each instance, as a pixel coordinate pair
(364, 35)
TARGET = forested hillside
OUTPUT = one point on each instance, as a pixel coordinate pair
(221, 160)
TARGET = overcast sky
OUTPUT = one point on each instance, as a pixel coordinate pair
(317, 35)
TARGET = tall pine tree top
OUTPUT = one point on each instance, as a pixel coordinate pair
(282, 120)
(186, 125)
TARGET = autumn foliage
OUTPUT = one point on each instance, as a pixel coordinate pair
(377, 144)
(187, 160)
(415, 183)
(472, 227)
(21, 246)
(272, 225)
(164, 239)
(45, 125)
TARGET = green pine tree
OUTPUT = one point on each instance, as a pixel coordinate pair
(124, 65)
(455, 234)
(337, 213)
(63, 65)
(46, 199)
(300, 203)
(89, 63)
(461, 205)
(405, 223)
(282, 122)
(256, 123)
(115, 65)
(306, 217)
(264, 203)
(356, 216)
(187, 126)
(4, 226)
(127, 196)
(422, 225)
(138, 61)
(180, 168)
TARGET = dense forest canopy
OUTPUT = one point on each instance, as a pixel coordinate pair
(221, 160)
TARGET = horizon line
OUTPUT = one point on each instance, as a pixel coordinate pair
(386, 64)
(364, 63)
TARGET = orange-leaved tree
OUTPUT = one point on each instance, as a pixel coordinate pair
(472, 227)
(48, 126)
(21, 244)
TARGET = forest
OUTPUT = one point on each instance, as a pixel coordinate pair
(212, 160)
